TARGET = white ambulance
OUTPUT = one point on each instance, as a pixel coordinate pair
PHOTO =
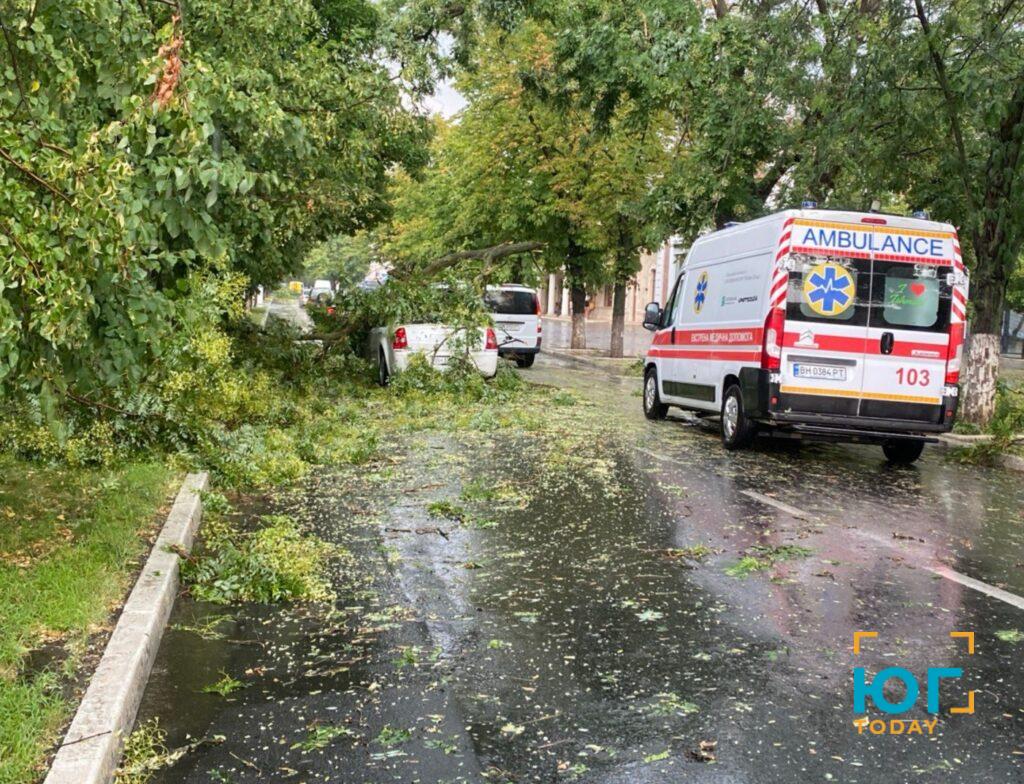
(815, 324)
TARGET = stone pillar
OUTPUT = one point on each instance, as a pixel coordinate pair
(552, 287)
(565, 299)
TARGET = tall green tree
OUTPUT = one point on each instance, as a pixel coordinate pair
(148, 147)
(511, 169)
(344, 259)
(845, 101)
(524, 163)
(959, 71)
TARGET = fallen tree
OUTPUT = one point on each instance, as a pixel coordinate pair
(487, 255)
(406, 283)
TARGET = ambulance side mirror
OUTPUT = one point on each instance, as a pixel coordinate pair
(652, 316)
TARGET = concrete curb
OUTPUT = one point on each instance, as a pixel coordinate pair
(956, 440)
(92, 746)
(1012, 462)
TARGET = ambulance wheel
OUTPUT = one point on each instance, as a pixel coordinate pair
(383, 375)
(737, 430)
(653, 407)
(903, 452)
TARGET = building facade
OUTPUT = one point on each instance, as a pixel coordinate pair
(651, 283)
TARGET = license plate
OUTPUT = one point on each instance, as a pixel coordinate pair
(822, 372)
(510, 325)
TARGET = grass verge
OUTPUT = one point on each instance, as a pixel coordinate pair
(69, 542)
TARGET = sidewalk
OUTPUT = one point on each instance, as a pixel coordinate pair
(558, 335)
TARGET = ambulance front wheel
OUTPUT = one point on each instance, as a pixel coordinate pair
(653, 407)
(737, 430)
(903, 452)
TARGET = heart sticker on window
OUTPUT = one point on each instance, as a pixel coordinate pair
(917, 289)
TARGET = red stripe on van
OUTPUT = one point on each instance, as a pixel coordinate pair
(846, 345)
(742, 336)
(689, 353)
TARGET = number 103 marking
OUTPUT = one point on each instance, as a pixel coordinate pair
(913, 377)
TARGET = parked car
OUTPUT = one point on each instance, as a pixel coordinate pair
(819, 324)
(391, 348)
(322, 292)
(516, 313)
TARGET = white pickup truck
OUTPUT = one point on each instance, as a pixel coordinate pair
(390, 348)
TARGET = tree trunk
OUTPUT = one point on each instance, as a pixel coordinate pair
(978, 388)
(618, 319)
(979, 384)
(579, 316)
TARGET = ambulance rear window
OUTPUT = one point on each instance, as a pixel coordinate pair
(910, 301)
(827, 291)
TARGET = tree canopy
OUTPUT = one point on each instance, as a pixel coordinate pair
(146, 148)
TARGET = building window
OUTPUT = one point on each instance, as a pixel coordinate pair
(607, 296)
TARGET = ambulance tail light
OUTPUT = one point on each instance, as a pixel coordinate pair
(771, 346)
(954, 353)
(490, 340)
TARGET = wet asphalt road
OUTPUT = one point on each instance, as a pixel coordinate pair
(567, 640)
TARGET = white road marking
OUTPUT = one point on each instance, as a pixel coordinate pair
(766, 499)
(978, 585)
(941, 570)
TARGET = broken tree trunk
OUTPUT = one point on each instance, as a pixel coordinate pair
(486, 254)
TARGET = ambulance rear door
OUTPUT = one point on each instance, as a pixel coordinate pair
(826, 330)
(908, 336)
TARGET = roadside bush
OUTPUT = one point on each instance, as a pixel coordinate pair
(276, 563)
(460, 380)
(1007, 423)
(251, 456)
(1009, 416)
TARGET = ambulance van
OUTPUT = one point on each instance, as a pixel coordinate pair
(815, 324)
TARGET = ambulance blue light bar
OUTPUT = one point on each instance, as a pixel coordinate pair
(808, 204)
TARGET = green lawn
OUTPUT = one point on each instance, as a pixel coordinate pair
(69, 542)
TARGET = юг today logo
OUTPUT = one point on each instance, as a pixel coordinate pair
(874, 690)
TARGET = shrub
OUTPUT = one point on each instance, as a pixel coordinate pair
(276, 563)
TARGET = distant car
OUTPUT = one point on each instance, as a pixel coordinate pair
(391, 348)
(516, 313)
(321, 292)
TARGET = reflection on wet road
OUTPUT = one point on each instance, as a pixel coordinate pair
(630, 603)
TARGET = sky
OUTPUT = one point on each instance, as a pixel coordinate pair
(445, 101)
